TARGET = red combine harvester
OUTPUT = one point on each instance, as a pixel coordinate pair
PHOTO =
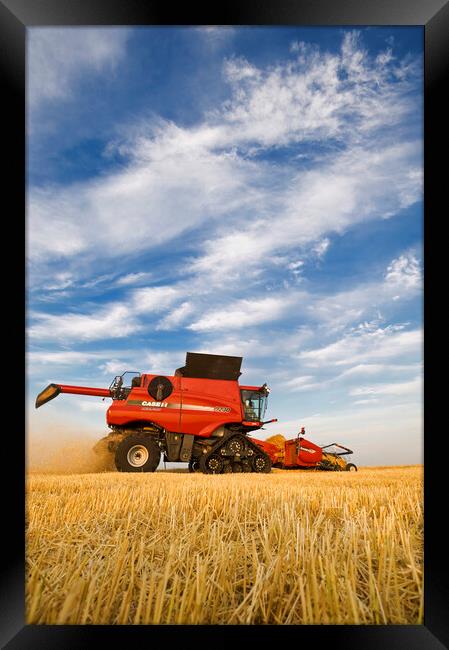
(200, 415)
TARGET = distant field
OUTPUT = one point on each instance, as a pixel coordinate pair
(171, 547)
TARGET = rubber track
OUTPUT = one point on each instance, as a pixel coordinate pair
(246, 440)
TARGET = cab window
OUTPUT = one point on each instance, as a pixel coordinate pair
(254, 405)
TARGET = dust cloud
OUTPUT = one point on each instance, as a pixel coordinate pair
(57, 449)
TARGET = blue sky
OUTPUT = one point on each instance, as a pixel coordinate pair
(232, 190)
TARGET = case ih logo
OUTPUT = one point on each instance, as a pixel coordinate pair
(185, 407)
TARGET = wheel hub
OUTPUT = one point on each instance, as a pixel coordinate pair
(235, 447)
(137, 455)
(213, 463)
(259, 463)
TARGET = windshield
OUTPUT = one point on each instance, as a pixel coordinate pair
(254, 404)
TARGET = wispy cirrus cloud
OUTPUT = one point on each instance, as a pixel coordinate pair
(359, 347)
(177, 317)
(64, 357)
(176, 178)
(243, 313)
(150, 203)
(346, 191)
(318, 95)
(402, 281)
(386, 388)
(373, 369)
(199, 308)
(111, 321)
(133, 278)
(404, 274)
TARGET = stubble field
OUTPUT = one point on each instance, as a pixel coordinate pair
(172, 547)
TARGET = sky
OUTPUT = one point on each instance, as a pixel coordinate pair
(252, 191)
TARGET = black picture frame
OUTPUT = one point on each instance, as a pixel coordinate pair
(15, 17)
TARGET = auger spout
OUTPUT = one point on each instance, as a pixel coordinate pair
(53, 391)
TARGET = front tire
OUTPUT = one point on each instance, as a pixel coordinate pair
(350, 467)
(137, 453)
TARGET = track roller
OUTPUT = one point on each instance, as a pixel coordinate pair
(235, 453)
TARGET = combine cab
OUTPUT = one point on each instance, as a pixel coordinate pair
(200, 415)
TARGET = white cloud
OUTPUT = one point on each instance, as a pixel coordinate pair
(153, 299)
(143, 360)
(305, 382)
(94, 282)
(265, 343)
(112, 321)
(316, 95)
(61, 281)
(133, 278)
(179, 303)
(396, 389)
(386, 369)
(177, 179)
(59, 58)
(295, 266)
(363, 369)
(162, 362)
(113, 367)
(235, 346)
(239, 68)
(90, 367)
(384, 57)
(53, 225)
(404, 273)
(401, 281)
(242, 313)
(382, 343)
(177, 317)
(64, 357)
(154, 199)
(358, 185)
(321, 247)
